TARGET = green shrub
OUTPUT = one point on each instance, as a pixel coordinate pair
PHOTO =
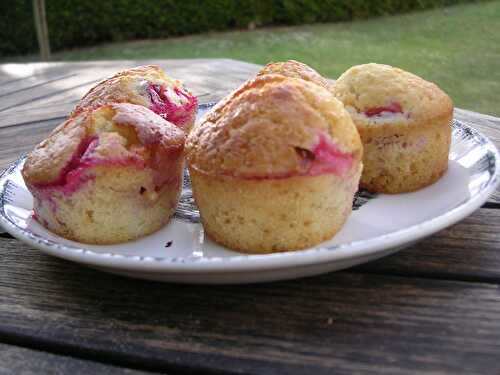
(17, 27)
(75, 23)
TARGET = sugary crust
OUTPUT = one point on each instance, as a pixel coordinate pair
(150, 127)
(123, 132)
(50, 156)
(404, 123)
(364, 87)
(148, 86)
(127, 86)
(295, 69)
(257, 130)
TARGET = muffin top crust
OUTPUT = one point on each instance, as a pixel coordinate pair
(376, 93)
(274, 127)
(118, 134)
(295, 69)
(148, 86)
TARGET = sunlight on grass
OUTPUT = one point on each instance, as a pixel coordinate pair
(456, 47)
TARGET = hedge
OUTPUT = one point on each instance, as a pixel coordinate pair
(75, 23)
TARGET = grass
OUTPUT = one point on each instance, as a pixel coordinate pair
(456, 47)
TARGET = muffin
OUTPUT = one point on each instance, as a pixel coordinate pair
(274, 166)
(295, 69)
(404, 123)
(107, 175)
(150, 87)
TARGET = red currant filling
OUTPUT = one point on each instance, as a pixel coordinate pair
(177, 114)
(377, 111)
(326, 157)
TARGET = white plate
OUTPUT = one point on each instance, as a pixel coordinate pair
(180, 252)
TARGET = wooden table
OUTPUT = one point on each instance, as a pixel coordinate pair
(433, 308)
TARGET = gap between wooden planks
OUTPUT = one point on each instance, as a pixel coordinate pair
(342, 322)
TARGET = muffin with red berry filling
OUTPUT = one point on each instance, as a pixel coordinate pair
(150, 87)
(295, 69)
(274, 166)
(107, 175)
(404, 123)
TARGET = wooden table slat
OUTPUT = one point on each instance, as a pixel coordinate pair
(29, 84)
(339, 322)
(469, 250)
(72, 86)
(42, 102)
(17, 360)
(16, 140)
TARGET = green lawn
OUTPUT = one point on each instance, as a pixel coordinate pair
(456, 47)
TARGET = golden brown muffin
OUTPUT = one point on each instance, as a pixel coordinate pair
(274, 166)
(150, 87)
(295, 69)
(107, 175)
(404, 123)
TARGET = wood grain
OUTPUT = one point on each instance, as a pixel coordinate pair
(469, 250)
(207, 75)
(17, 140)
(16, 360)
(29, 83)
(343, 323)
(7, 80)
(52, 93)
(70, 86)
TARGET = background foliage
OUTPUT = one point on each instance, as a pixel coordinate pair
(76, 23)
